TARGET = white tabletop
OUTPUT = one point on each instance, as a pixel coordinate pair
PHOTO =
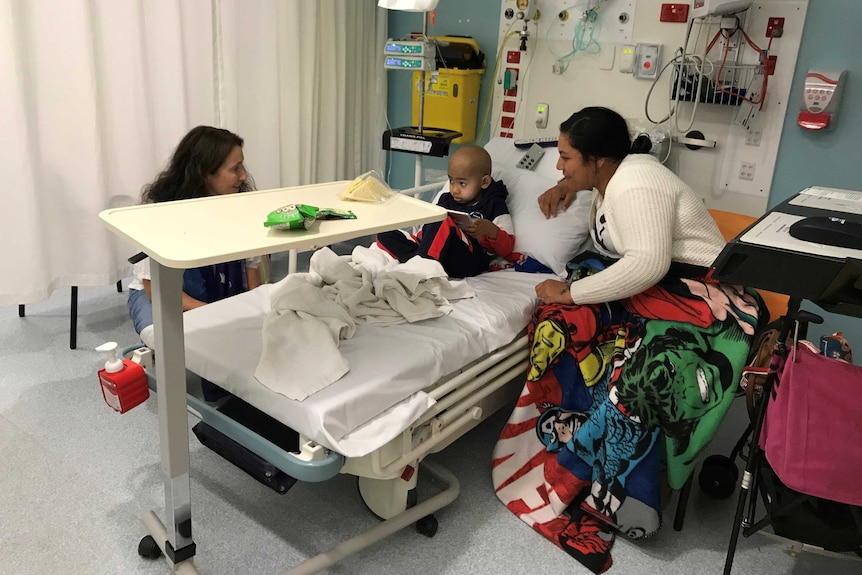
(192, 233)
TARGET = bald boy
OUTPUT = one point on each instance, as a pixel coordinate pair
(487, 234)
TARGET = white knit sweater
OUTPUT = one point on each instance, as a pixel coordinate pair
(653, 218)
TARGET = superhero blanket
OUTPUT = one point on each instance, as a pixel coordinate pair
(614, 392)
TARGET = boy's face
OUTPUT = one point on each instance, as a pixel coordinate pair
(465, 184)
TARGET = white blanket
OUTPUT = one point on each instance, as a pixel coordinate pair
(312, 311)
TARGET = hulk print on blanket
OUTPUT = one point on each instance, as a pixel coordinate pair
(610, 387)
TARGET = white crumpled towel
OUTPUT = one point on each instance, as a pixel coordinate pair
(312, 311)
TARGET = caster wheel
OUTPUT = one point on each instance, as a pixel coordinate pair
(147, 548)
(427, 526)
(717, 477)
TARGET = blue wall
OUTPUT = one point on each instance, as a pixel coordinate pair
(831, 158)
(832, 28)
(479, 19)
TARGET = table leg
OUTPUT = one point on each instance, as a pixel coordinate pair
(173, 420)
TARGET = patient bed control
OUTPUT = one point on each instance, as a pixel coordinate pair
(529, 160)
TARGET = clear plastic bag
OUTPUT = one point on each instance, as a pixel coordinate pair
(369, 187)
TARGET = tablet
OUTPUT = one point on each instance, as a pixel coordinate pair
(462, 219)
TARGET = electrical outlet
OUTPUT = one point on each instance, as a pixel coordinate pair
(746, 171)
(775, 27)
(674, 13)
(771, 63)
(752, 138)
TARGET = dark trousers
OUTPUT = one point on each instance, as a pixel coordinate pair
(460, 255)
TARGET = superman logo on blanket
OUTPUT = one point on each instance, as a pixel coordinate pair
(614, 392)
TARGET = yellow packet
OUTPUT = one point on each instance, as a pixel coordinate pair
(369, 187)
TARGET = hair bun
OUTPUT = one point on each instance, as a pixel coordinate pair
(641, 145)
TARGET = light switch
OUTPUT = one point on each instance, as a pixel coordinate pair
(627, 59)
(541, 115)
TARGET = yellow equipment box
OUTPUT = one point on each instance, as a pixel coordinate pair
(452, 93)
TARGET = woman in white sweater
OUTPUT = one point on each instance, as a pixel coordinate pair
(635, 357)
(643, 215)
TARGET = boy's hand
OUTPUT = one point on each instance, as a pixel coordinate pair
(481, 228)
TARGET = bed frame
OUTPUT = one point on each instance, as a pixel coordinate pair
(387, 477)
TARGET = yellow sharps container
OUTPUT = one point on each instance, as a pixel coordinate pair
(452, 93)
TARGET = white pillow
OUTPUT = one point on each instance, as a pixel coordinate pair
(504, 154)
(552, 241)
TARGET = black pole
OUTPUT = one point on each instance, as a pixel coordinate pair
(73, 319)
(749, 477)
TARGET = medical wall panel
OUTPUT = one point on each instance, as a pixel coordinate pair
(582, 53)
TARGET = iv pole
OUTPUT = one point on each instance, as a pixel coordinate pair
(423, 6)
(417, 176)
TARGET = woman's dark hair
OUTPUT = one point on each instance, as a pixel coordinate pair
(199, 154)
(598, 132)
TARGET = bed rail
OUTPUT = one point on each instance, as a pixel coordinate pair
(463, 401)
(417, 191)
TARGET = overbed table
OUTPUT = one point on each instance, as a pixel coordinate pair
(766, 256)
(193, 233)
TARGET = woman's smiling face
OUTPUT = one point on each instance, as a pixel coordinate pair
(581, 174)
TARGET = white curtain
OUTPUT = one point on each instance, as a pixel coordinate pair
(304, 84)
(95, 94)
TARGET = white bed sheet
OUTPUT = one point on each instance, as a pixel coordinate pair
(382, 393)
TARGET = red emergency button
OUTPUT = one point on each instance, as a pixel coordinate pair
(647, 65)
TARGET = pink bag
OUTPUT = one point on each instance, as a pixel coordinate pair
(812, 434)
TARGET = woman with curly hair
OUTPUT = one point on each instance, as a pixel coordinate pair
(207, 162)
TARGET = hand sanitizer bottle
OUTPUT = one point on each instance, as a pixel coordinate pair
(124, 382)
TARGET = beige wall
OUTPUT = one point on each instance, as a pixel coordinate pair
(595, 79)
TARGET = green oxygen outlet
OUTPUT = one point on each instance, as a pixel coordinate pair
(510, 79)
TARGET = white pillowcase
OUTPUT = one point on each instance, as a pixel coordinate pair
(554, 241)
(504, 154)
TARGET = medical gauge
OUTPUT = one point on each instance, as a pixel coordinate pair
(526, 9)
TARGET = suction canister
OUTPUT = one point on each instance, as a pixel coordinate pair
(124, 382)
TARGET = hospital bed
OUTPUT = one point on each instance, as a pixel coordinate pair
(412, 389)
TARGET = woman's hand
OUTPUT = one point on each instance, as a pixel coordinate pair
(554, 291)
(549, 201)
(481, 228)
(191, 303)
